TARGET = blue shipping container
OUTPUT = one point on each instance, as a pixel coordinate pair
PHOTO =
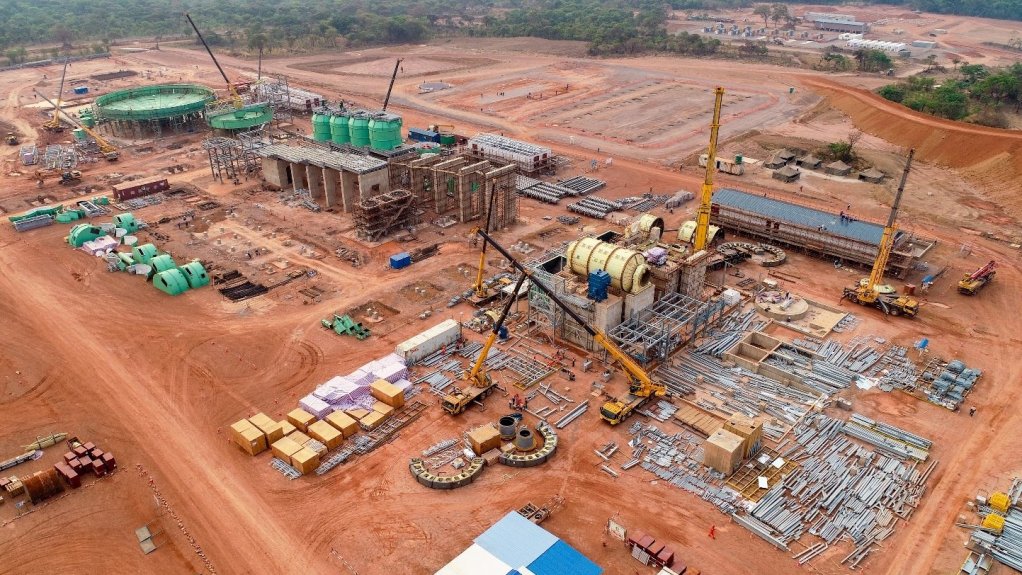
(81, 89)
(420, 135)
(401, 260)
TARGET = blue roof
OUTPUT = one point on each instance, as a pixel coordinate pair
(515, 540)
(787, 212)
(563, 559)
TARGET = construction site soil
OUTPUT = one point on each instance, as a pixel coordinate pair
(158, 380)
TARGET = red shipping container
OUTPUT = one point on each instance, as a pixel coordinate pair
(98, 468)
(89, 446)
(96, 453)
(139, 188)
(72, 478)
(646, 541)
(109, 461)
(69, 456)
(655, 548)
(666, 556)
(80, 451)
(85, 462)
(634, 538)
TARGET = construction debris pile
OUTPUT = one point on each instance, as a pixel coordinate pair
(842, 490)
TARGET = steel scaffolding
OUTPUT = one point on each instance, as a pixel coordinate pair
(381, 215)
(230, 158)
(655, 332)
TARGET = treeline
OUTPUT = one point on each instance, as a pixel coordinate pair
(975, 93)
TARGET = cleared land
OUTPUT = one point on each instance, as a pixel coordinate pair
(157, 380)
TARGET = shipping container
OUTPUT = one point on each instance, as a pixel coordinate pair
(98, 468)
(109, 461)
(401, 260)
(433, 339)
(42, 485)
(420, 135)
(139, 188)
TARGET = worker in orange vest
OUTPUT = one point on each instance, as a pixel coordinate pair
(713, 531)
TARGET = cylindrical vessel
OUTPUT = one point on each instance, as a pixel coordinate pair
(321, 127)
(648, 221)
(339, 133)
(359, 129)
(506, 426)
(525, 440)
(627, 268)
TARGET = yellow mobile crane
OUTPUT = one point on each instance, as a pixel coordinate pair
(54, 124)
(235, 96)
(479, 383)
(641, 387)
(868, 293)
(108, 150)
(480, 293)
(701, 232)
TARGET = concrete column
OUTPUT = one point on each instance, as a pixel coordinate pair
(349, 190)
(315, 177)
(331, 181)
(299, 176)
(275, 172)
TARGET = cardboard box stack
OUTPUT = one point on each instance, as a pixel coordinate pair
(326, 434)
(388, 393)
(343, 423)
(301, 419)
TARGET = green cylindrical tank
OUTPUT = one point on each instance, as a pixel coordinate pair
(359, 129)
(321, 127)
(79, 134)
(339, 132)
(385, 131)
(88, 121)
(242, 119)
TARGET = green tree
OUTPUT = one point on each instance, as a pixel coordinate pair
(973, 73)
(62, 35)
(893, 92)
(997, 87)
(873, 60)
(778, 13)
(763, 11)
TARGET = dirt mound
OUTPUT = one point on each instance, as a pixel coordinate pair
(989, 157)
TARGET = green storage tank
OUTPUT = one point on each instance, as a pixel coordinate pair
(448, 139)
(171, 282)
(321, 127)
(385, 131)
(245, 118)
(195, 274)
(359, 128)
(339, 132)
(144, 253)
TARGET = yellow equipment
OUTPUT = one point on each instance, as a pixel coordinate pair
(480, 384)
(706, 194)
(868, 293)
(54, 124)
(108, 150)
(480, 293)
(972, 283)
(235, 97)
(12, 139)
(641, 387)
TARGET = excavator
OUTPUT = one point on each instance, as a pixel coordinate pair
(235, 96)
(868, 292)
(641, 387)
(479, 383)
(972, 283)
(108, 150)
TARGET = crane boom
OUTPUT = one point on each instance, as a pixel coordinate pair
(235, 98)
(391, 87)
(55, 123)
(641, 383)
(887, 239)
(474, 375)
(706, 195)
(105, 147)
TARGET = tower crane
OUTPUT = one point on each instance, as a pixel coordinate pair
(641, 386)
(108, 150)
(235, 97)
(699, 236)
(868, 292)
(54, 124)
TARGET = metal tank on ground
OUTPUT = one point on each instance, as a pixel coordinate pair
(385, 131)
(627, 268)
(244, 118)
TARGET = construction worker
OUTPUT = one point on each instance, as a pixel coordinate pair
(972, 411)
(713, 532)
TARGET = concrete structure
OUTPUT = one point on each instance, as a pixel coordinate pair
(815, 231)
(148, 110)
(333, 179)
(459, 185)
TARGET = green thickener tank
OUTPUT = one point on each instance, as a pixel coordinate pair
(321, 127)
(359, 128)
(339, 131)
(385, 131)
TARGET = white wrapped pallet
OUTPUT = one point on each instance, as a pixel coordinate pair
(429, 341)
